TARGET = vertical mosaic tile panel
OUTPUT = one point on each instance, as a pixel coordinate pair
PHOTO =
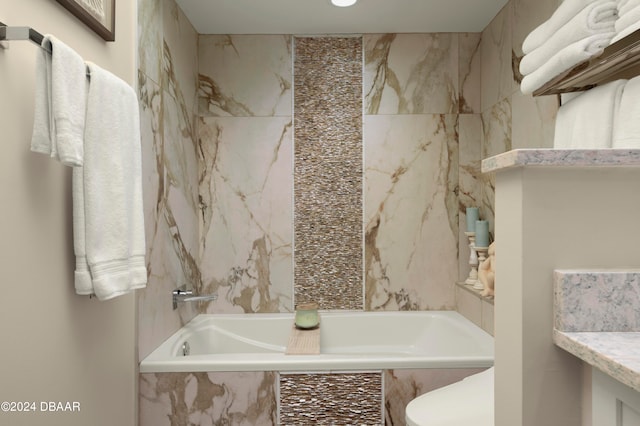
(328, 171)
(225, 398)
(331, 399)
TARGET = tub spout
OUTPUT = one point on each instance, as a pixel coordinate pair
(181, 294)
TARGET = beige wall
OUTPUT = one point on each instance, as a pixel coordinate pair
(537, 383)
(56, 346)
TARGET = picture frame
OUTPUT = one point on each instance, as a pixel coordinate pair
(99, 15)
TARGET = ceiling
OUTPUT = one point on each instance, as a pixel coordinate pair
(320, 17)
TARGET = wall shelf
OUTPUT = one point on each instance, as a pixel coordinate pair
(619, 60)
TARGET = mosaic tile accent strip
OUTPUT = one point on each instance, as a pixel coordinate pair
(331, 399)
(328, 171)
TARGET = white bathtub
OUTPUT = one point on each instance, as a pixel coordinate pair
(348, 341)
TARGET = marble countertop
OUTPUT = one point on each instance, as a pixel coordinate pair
(596, 318)
(562, 158)
(615, 353)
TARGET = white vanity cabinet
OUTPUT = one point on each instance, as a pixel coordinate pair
(613, 403)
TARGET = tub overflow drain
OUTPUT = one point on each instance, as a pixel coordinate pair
(186, 349)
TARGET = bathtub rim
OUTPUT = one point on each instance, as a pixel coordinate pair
(159, 362)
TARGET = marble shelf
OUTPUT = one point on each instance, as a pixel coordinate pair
(549, 157)
(619, 60)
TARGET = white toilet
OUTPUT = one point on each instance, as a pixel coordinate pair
(464, 403)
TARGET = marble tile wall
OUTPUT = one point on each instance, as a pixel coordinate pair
(245, 146)
(167, 84)
(223, 398)
(416, 88)
(511, 120)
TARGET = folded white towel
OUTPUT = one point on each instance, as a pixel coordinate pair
(110, 186)
(627, 23)
(626, 5)
(594, 19)
(563, 14)
(628, 18)
(625, 32)
(587, 121)
(60, 103)
(565, 59)
(626, 134)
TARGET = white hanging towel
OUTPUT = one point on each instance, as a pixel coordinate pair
(60, 102)
(107, 192)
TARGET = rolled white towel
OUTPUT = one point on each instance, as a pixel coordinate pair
(587, 121)
(626, 134)
(625, 32)
(630, 17)
(596, 18)
(626, 5)
(564, 60)
(563, 14)
(627, 23)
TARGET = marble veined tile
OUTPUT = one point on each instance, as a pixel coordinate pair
(533, 120)
(170, 227)
(470, 64)
(496, 71)
(246, 212)
(411, 212)
(180, 55)
(245, 75)
(496, 123)
(411, 73)
(150, 38)
(227, 398)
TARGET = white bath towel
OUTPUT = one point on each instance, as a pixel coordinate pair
(596, 18)
(626, 31)
(565, 59)
(627, 23)
(626, 133)
(110, 189)
(587, 121)
(626, 5)
(60, 103)
(563, 14)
